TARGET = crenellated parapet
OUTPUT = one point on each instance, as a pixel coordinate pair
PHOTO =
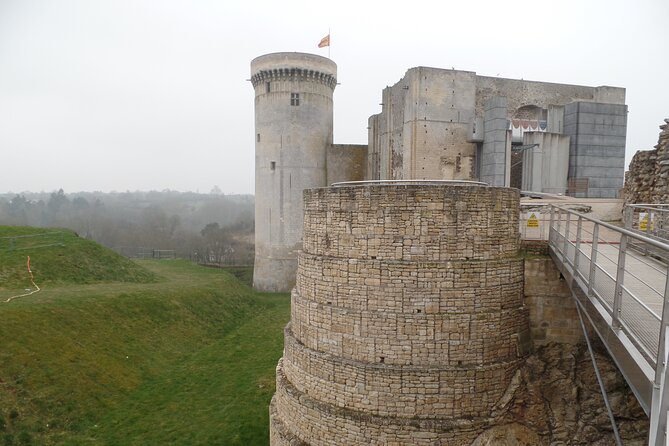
(293, 74)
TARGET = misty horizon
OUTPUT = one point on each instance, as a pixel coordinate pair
(137, 95)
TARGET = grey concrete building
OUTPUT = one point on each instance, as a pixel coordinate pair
(451, 124)
(597, 134)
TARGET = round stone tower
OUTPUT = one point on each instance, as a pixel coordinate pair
(408, 321)
(293, 126)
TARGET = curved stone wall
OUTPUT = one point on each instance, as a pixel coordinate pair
(444, 390)
(407, 316)
(408, 338)
(428, 224)
(411, 287)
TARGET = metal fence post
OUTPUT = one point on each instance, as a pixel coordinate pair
(648, 230)
(550, 225)
(659, 420)
(593, 259)
(661, 354)
(557, 227)
(620, 278)
(658, 415)
(628, 216)
(566, 240)
(577, 252)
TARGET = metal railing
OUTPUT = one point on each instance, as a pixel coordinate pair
(651, 220)
(629, 288)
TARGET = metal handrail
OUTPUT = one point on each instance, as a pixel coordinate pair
(635, 235)
(616, 280)
(647, 205)
(648, 330)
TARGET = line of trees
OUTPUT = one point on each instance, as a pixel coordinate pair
(210, 228)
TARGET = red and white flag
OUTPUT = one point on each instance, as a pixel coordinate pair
(325, 41)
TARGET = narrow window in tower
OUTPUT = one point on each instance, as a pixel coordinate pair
(267, 86)
(272, 165)
(295, 99)
(258, 137)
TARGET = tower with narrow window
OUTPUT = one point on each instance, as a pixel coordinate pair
(293, 130)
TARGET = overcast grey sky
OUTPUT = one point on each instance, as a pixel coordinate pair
(139, 95)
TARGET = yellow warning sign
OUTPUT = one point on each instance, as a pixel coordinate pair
(645, 221)
(532, 220)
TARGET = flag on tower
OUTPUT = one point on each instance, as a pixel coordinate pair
(325, 41)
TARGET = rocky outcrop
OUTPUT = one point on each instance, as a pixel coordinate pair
(647, 180)
(555, 400)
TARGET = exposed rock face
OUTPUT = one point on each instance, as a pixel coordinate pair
(555, 400)
(647, 181)
(512, 434)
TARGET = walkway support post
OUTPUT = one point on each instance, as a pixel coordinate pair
(550, 225)
(620, 278)
(593, 260)
(660, 404)
(628, 215)
(577, 253)
(565, 258)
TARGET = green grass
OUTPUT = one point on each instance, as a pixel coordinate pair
(187, 359)
(243, 273)
(59, 256)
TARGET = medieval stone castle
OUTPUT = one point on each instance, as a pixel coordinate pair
(408, 321)
(434, 124)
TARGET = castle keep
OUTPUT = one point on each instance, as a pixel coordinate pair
(435, 124)
(451, 124)
(294, 151)
(407, 317)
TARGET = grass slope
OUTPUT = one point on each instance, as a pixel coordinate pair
(59, 256)
(187, 360)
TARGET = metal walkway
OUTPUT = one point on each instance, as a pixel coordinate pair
(620, 282)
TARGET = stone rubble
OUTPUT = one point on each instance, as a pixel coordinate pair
(647, 180)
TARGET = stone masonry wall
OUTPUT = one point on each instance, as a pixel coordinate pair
(408, 321)
(346, 162)
(647, 180)
(553, 314)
